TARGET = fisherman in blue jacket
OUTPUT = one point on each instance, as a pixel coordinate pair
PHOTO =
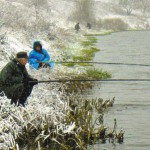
(39, 57)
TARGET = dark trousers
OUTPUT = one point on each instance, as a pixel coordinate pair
(21, 94)
(18, 93)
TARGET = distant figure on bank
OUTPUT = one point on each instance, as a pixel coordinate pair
(77, 27)
(89, 26)
(15, 81)
(39, 57)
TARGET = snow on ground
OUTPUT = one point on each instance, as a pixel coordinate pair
(44, 103)
(45, 100)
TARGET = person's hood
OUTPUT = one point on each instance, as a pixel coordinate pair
(37, 43)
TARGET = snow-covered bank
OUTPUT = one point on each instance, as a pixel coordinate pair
(43, 106)
(48, 103)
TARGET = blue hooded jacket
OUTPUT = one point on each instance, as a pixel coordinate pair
(35, 56)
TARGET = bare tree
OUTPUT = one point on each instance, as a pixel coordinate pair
(145, 5)
(128, 5)
(83, 11)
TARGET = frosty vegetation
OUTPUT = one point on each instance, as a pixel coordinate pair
(52, 22)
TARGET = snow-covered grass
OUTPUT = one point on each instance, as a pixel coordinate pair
(47, 105)
(44, 105)
(45, 102)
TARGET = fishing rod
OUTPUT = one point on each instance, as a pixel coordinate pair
(103, 63)
(95, 80)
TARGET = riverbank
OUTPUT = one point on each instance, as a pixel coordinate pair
(53, 114)
(84, 52)
(108, 32)
(77, 107)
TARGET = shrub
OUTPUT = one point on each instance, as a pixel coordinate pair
(83, 11)
(114, 24)
(98, 74)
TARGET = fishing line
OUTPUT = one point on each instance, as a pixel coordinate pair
(96, 80)
(105, 63)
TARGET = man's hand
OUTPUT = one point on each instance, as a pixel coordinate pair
(33, 81)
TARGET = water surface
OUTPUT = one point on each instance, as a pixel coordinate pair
(132, 105)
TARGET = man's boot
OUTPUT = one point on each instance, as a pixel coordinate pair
(22, 101)
(14, 101)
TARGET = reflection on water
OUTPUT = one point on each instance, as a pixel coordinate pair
(132, 106)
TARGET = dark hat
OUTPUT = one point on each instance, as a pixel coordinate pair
(36, 44)
(21, 55)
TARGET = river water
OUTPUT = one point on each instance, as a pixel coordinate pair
(132, 105)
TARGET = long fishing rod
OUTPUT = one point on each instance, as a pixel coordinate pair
(96, 80)
(103, 63)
